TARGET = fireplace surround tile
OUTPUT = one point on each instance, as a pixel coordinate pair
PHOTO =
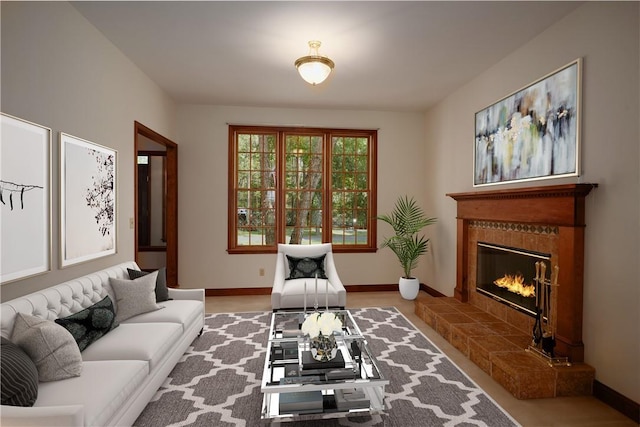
(445, 320)
(461, 332)
(524, 375)
(482, 349)
(498, 348)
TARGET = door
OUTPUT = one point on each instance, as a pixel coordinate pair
(147, 141)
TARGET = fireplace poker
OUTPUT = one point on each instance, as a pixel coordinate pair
(537, 328)
(548, 342)
(554, 299)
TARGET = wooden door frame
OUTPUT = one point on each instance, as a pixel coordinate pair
(171, 202)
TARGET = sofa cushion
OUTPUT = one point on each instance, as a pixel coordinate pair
(103, 389)
(162, 293)
(150, 342)
(19, 376)
(50, 346)
(306, 267)
(134, 297)
(184, 312)
(90, 324)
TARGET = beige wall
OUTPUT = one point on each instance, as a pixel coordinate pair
(60, 72)
(203, 139)
(606, 35)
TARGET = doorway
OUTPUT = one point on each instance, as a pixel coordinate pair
(156, 202)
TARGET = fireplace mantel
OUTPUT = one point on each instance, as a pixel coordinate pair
(553, 205)
(561, 206)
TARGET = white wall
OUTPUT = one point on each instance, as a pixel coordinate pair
(203, 169)
(606, 35)
(60, 72)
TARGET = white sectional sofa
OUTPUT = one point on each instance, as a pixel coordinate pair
(120, 371)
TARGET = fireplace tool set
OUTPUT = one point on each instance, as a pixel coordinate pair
(544, 329)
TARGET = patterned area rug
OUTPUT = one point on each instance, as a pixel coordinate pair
(217, 382)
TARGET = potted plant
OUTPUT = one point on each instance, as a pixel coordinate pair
(407, 219)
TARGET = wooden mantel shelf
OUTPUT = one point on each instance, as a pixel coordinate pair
(553, 204)
(561, 206)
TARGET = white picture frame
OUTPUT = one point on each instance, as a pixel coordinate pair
(25, 199)
(88, 200)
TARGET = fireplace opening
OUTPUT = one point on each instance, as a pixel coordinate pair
(508, 275)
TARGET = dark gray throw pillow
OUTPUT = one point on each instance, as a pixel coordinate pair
(307, 267)
(92, 323)
(162, 293)
(19, 376)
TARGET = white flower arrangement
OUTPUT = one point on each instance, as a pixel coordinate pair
(322, 324)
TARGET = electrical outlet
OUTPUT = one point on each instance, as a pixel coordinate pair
(261, 272)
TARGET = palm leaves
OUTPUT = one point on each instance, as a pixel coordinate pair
(407, 219)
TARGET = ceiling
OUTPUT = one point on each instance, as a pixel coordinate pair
(389, 55)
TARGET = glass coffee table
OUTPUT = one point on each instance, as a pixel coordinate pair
(296, 387)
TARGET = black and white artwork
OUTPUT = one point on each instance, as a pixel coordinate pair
(25, 199)
(87, 200)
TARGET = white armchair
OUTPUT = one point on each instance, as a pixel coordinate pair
(288, 292)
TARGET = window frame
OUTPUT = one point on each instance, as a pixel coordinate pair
(280, 133)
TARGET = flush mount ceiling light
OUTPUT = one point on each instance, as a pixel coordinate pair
(313, 68)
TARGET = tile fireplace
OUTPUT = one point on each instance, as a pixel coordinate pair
(501, 235)
(547, 221)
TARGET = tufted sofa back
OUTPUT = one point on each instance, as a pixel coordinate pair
(63, 299)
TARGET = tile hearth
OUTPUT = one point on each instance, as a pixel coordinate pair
(499, 349)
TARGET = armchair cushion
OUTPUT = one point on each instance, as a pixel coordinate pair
(306, 267)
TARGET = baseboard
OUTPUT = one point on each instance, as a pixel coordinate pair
(267, 291)
(431, 291)
(349, 288)
(236, 292)
(617, 401)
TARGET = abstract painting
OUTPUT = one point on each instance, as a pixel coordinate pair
(532, 133)
(25, 199)
(87, 200)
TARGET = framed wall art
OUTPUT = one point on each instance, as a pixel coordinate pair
(25, 199)
(532, 133)
(87, 200)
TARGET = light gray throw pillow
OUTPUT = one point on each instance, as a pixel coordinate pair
(50, 346)
(134, 297)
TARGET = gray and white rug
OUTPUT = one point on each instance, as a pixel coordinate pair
(217, 382)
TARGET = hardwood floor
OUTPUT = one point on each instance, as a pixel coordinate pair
(560, 412)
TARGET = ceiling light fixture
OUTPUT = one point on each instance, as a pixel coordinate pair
(313, 68)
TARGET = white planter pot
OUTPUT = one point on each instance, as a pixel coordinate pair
(409, 288)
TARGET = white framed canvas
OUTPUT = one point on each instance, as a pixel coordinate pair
(25, 199)
(533, 133)
(87, 200)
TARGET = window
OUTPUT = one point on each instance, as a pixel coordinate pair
(302, 186)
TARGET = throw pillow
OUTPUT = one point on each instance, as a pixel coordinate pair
(19, 376)
(162, 293)
(306, 267)
(134, 297)
(50, 346)
(91, 324)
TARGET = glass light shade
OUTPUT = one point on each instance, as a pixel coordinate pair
(314, 72)
(313, 68)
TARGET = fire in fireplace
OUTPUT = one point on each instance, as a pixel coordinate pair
(508, 275)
